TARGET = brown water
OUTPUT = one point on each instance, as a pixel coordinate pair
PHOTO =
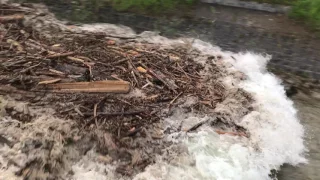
(309, 113)
(227, 31)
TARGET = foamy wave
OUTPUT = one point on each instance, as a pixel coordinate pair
(276, 135)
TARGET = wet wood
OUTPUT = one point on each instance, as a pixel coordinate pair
(50, 81)
(97, 86)
(196, 126)
(116, 113)
(9, 18)
(60, 55)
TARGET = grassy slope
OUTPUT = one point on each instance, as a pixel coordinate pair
(150, 5)
(307, 11)
(283, 2)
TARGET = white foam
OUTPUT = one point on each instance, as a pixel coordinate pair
(89, 168)
(276, 135)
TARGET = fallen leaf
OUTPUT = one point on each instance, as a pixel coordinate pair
(174, 58)
(132, 129)
(132, 52)
(206, 103)
(111, 42)
(141, 69)
(153, 97)
(16, 44)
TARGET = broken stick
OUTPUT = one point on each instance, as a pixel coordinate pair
(196, 126)
(116, 113)
(60, 55)
(9, 18)
(160, 76)
(97, 86)
(50, 81)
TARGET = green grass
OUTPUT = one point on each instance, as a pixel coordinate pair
(88, 10)
(307, 11)
(282, 2)
(150, 5)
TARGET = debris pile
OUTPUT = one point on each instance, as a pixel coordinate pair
(115, 90)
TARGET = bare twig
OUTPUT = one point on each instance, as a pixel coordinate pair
(196, 126)
(173, 100)
(31, 67)
(95, 114)
(120, 61)
(50, 81)
(61, 55)
(117, 113)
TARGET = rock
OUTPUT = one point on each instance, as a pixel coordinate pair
(4, 140)
(291, 90)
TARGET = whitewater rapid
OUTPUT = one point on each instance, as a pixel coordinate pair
(276, 135)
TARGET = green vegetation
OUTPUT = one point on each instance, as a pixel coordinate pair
(150, 5)
(92, 10)
(307, 11)
(283, 2)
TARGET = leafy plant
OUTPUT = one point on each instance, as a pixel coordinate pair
(307, 11)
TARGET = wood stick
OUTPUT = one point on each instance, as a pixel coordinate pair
(95, 114)
(75, 59)
(232, 133)
(120, 61)
(11, 18)
(173, 100)
(60, 55)
(160, 76)
(31, 67)
(97, 86)
(50, 81)
(115, 113)
(196, 126)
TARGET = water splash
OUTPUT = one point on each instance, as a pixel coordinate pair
(276, 135)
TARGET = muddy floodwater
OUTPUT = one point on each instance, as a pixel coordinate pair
(309, 113)
(241, 30)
